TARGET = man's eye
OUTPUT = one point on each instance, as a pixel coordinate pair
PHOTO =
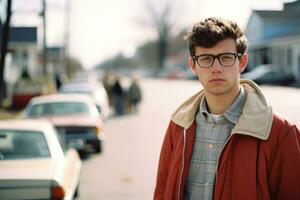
(205, 58)
(227, 57)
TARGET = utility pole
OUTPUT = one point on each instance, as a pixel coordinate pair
(5, 29)
(67, 38)
(43, 14)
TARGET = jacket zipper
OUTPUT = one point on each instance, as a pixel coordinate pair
(181, 173)
(217, 169)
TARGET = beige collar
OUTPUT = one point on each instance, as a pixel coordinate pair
(255, 120)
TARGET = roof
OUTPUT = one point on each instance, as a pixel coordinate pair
(25, 124)
(295, 5)
(79, 86)
(55, 50)
(62, 98)
(22, 34)
(290, 10)
(278, 13)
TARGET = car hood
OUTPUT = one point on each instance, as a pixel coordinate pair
(43, 169)
(77, 120)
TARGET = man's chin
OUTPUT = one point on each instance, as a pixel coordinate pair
(217, 90)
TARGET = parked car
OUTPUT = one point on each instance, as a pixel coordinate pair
(175, 74)
(75, 116)
(95, 90)
(35, 163)
(265, 74)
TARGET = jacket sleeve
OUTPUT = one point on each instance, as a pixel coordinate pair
(164, 162)
(285, 172)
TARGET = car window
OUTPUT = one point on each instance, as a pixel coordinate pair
(16, 144)
(62, 141)
(58, 108)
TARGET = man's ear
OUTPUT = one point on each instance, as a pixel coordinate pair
(192, 65)
(243, 62)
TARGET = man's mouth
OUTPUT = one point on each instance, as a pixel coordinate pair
(216, 80)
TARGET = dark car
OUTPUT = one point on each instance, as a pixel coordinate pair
(265, 74)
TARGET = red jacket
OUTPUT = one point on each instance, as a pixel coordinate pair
(260, 160)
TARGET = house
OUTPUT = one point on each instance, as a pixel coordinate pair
(274, 37)
(22, 52)
(23, 67)
(21, 58)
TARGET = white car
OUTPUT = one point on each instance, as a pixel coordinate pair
(35, 163)
(75, 116)
(95, 90)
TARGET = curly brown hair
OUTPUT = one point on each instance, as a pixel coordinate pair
(210, 31)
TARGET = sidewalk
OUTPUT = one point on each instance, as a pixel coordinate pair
(4, 114)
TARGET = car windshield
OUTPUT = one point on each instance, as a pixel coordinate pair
(58, 108)
(88, 93)
(20, 144)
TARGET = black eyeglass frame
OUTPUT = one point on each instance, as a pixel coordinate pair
(195, 58)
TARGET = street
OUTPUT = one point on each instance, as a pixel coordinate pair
(126, 170)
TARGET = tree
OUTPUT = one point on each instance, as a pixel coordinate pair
(4, 29)
(74, 66)
(161, 20)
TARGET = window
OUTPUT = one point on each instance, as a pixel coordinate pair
(58, 108)
(16, 144)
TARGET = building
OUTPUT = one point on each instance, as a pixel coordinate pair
(22, 52)
(274, 37)
(23, 71)
(56, 60)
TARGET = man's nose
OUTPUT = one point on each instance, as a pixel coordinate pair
(216, 66)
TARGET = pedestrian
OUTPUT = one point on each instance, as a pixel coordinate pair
(58, 81)
(134, 95)
(225, 142)
(108, 82)
(118, 97)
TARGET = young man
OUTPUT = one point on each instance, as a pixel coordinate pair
(225, 142)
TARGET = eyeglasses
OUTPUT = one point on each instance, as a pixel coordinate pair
(225, 59)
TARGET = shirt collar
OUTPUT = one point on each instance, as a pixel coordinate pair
(234, 111)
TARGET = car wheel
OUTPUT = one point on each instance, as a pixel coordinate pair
(98, 148)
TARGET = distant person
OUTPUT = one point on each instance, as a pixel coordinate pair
(107, 81)
(25, 75)
(225, 142)
(134, 95)
(118, 97)
(58, 81)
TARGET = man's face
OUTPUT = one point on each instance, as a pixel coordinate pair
(217, 79)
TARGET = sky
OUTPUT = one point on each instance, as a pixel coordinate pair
(100, 29)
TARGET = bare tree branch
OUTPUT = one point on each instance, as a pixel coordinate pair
(160, 19)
